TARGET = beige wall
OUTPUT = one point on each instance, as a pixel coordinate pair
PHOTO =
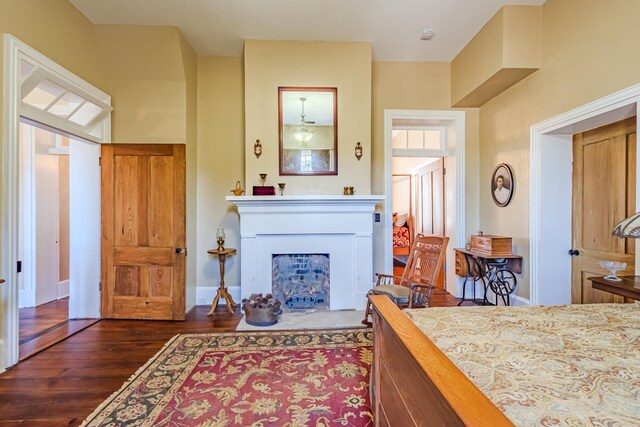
(589, 50)
(147, 83)
(417, 86)
(503, 52)
(220, 163)
(345, 65)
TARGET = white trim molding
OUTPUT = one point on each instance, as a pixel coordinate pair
(14, 52)
(454, 152)
(550, 197)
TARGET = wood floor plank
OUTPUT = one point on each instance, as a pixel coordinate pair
(63, 384)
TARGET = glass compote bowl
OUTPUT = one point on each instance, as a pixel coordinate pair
(613, 266)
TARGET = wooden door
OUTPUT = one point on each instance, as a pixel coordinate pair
(431, 179)
(604, 177)
(143, 225)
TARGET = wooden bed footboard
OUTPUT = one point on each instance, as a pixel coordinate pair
(415, 384)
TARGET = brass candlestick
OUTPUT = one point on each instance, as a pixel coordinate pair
(281, 185)
(263, 178)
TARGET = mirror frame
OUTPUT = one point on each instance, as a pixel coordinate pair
(283, 89)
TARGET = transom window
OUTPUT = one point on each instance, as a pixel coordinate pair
(418, 139)
(49, 99)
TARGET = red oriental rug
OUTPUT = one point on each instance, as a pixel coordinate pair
(279, 378)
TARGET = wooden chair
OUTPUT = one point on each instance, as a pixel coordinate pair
(415, 286)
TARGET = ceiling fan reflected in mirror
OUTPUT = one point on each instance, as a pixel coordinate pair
(303, 133)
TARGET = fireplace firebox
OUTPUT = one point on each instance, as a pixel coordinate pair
(301, 281)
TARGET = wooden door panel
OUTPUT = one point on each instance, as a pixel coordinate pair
(160, 281)
(132, 307)
(126, 190)
(127, 280)
(161, 195)
(133, 255)
(602, 204)
(604, 176)
(143, 224)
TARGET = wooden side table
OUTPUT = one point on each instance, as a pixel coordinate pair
(222, 289)
(496, 272)
(628, 287)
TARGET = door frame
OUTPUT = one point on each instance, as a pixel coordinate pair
(454, 154)
(551, 209)
(14, 50)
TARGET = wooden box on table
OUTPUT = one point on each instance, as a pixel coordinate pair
(488, 244)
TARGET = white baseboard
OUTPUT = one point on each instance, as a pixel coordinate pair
(26, 298)
(361, 300)
(206, 294)
(515, 300)
(63, 289)
(518, 300)
(1, 356)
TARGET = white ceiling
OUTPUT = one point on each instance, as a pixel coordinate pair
(219, 27)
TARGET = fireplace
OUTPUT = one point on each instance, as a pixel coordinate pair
(339, 228)
(301, 281)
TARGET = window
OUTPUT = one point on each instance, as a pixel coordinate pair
(419, 139)
(51, 100)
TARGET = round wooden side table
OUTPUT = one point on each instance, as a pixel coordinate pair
(222, 289)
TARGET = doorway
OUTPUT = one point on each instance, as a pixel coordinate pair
(604, 193)
(37, 90)
(429, 134)
(551, 191)
(56, 180)
(418, 205)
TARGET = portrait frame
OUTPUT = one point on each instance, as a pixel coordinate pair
(501, 197)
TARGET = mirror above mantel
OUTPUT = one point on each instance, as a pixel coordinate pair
(308, 130)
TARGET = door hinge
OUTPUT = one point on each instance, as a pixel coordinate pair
(100, 161)
(444, 171)
(100, 286)
(19, 269)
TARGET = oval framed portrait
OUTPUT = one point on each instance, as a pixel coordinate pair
(502, 185)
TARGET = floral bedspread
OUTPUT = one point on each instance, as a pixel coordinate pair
(556, 366)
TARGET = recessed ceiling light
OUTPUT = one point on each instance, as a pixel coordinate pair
(427, 34)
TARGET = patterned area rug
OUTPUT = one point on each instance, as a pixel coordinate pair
(295, 378)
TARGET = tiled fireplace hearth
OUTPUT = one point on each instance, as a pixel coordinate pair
(338, 227)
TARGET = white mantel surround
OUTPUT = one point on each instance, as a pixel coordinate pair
(341, 226)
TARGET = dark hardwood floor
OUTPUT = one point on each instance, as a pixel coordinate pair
(63, 384)
(35, 320)
(47, 324)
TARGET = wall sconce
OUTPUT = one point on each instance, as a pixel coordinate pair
(358, 151)
(257, 148)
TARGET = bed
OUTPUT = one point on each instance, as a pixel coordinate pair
(564, 365)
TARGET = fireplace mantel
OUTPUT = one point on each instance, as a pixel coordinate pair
(305, 200)
(341, 226)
